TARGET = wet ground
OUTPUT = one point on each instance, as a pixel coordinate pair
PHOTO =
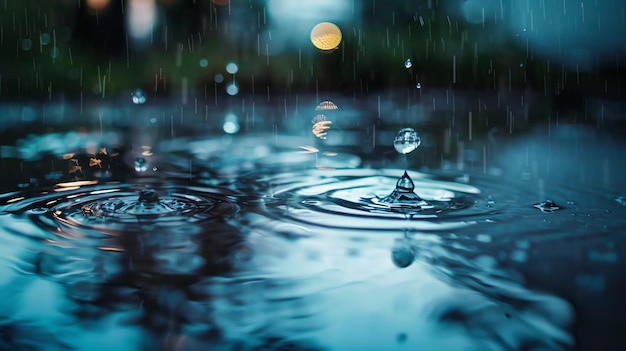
(250, 225)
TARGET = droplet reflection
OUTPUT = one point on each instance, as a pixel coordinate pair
(406, 141)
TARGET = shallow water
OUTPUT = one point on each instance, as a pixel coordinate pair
(277, 240)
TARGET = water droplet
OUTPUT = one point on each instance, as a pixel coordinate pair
(27, 44)
(326, 105)
(232, 68)
(402, 257)
(154, 169)
(219, 78)
(418, 85)
(230, 127)
(321, 125)
(547, 206)
(141, 165)
(621, 200)
(232, 89)
(204, 62)
(138, 96)
(406, 141)
(408, 63)
(45, 39)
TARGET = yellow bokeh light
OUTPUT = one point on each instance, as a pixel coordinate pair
(326, 36)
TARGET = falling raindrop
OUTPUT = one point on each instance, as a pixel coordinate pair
(231, 124)
(402, 257)
(232, 89)
(141, 165)
(408, 63)
(406, 141)
(139, 97)
(45, 39)
(232, 68)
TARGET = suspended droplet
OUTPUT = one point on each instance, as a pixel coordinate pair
(219, 78)
(418, 85)
(321, 125)
(406, 141)
(402, 257)
(141, 165)
(204, 62)
(232, 68)
(408, 63)
(232, 89)
(138, 96)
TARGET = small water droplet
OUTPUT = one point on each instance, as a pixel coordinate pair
(547, 206)
(204, 62)
(406, 141)
(232, 89)
(402, 257)
(321, 125)
(408, 63)
(154, 169)
(621, 200)
(219, 78)
(139, 97)
(232, 68)
(418, 85)
(141, 165)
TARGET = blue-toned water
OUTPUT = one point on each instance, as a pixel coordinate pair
(168, 233)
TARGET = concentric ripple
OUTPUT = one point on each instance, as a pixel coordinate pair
(356, 199)
(120, 207)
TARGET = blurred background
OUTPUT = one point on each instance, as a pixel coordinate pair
(73, 49)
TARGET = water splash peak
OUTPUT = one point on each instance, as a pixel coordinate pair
(404, 193)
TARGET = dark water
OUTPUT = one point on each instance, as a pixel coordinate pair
(165, 233)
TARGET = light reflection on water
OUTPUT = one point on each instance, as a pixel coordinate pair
(249, 244)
